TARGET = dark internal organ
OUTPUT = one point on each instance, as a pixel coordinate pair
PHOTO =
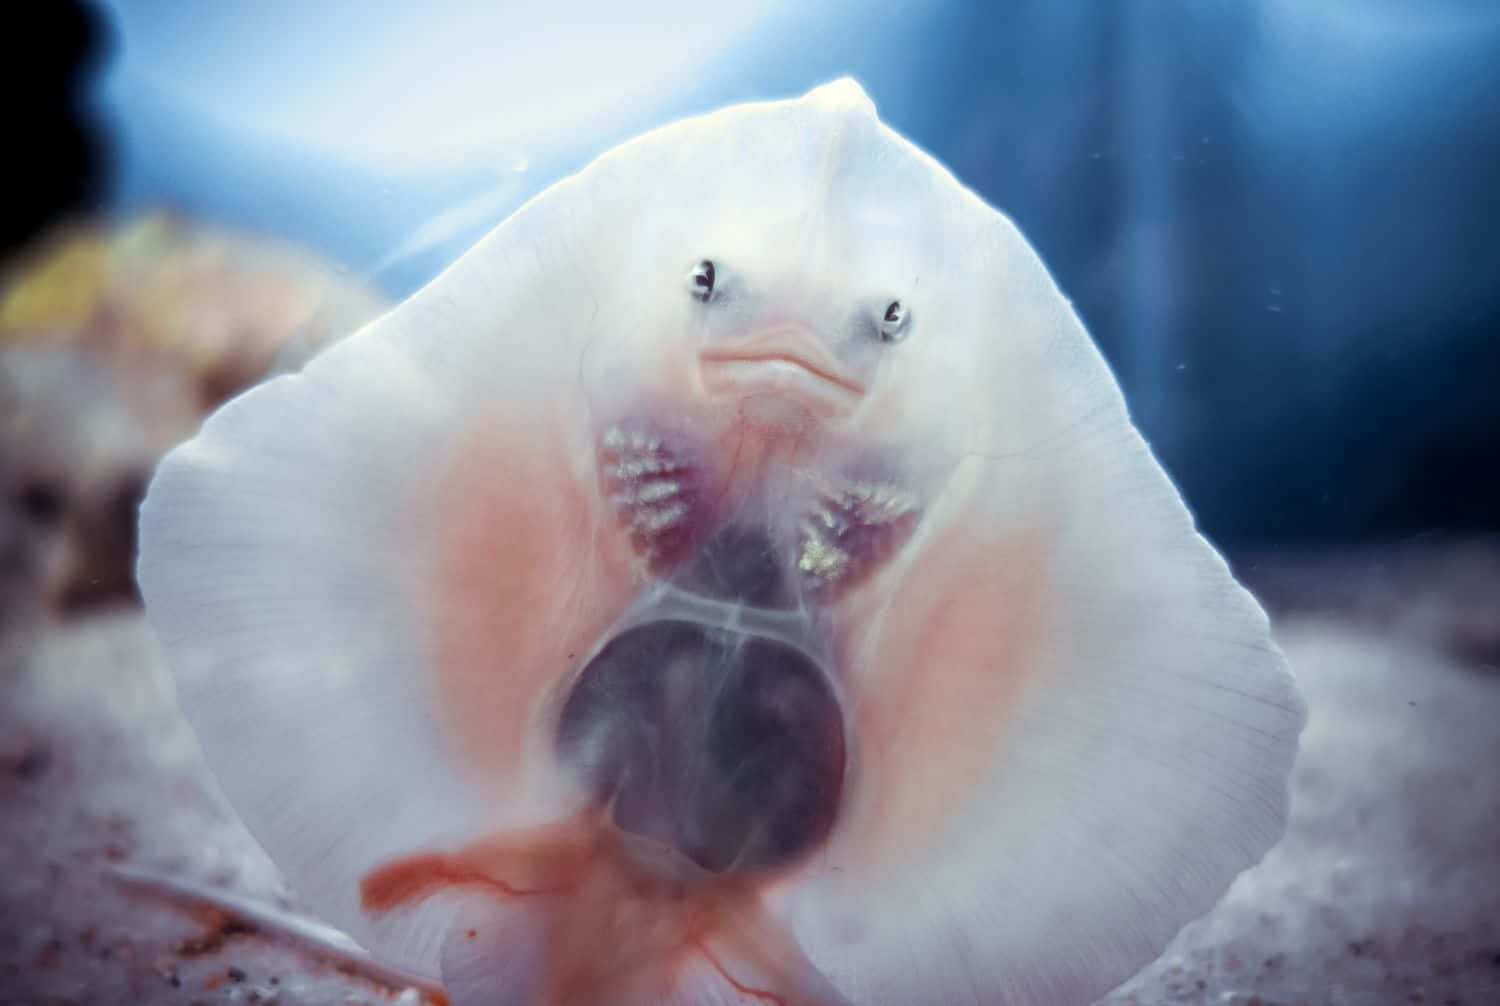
(740, 563)
(851, 529)
(655, 492)
(725, 747)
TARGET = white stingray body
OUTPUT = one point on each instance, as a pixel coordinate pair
(1065, 726)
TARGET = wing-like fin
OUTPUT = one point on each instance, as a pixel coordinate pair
(305, 561)
(1070, 726)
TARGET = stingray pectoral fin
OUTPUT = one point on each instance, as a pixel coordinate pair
(496, 953)
(1069, 731)
(306, 561)
(1060, 756)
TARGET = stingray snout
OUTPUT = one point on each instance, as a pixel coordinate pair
(787, 361)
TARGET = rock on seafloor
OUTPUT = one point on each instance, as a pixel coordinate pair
(1386, 889)
(114, 341)
(79, 437)
(99, 773)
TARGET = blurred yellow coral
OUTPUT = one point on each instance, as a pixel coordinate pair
(114, 339)
(60, 291)
(215, 303)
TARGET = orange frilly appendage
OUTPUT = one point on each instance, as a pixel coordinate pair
(614, 927)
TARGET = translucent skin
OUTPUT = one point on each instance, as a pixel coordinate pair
(749, 455)
(378, 582)
(654, 911)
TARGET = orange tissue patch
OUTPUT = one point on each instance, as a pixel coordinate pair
(527, 576)
(944, 662)
(541, 861)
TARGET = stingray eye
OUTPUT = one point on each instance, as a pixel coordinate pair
(893, 322)
(701, 281)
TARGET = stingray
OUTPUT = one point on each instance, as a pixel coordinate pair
(737, 579)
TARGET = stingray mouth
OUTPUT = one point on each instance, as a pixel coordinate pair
(782, 366)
